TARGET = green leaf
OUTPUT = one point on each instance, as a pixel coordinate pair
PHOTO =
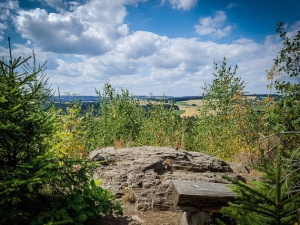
(29, 186)
(81, 217)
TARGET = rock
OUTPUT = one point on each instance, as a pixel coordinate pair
(138, 219)
(147, 172)
(239, 168)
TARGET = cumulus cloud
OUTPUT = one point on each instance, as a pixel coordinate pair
(213, 25)
(85, 30)
(173, 66)
(182, 4)
(85, 48)
(140, 44)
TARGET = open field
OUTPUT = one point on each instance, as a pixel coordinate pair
(188, 111)
(197, 102)
(190, 107)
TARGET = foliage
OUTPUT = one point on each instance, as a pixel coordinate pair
(38, 184)
(70, 138)
(121, 121)
(24, 128)
(228, 123)
(273, 200)
(283, 116)
(276, 198)
(72, 196)
(120, 117)
(220, 96)
(161, 126)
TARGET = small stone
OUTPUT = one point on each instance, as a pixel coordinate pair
(137, 218)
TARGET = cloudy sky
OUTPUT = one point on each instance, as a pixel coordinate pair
(147, 46)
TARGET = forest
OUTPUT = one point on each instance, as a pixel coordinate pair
(45, 177)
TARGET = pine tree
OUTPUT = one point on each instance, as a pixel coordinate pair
(24, 125)
(272, 200)
(37, 185)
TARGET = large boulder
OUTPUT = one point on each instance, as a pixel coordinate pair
(143, 175)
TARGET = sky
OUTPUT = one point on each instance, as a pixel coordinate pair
(158, 47)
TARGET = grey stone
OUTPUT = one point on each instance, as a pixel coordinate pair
(147, 171)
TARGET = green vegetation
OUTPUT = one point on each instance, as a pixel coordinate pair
(275, 199)
(40, 183)
(46, 179)
(227, 125)
(179, 112)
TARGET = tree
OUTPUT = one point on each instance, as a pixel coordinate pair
(272, 200)
(120, 118)
(24, 124)
(227, 123)
(24, 127)
(284, 116)
(37, 185)
(275, 199)
(226, 87)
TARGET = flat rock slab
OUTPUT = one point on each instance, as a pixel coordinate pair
(192, 196)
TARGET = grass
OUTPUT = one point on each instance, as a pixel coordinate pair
(180, 112)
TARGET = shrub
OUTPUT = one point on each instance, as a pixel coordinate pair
(161, 126)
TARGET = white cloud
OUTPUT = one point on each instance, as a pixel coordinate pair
(59, 5)
(85, 30)
(159, 65)
(6, 9)
(243, 40)
(84, 48)
(213, 25)
(182, 4)
(140, 44)
(231, 5)
(2, 27)
(293, 29)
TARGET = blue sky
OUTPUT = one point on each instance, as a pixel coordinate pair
(155, 46)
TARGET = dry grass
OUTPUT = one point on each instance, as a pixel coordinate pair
(198, 102)
(190, 107)
(188, 111)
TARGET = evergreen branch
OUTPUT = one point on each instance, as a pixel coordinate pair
(253, 208)
(252, 191)
(291, 199)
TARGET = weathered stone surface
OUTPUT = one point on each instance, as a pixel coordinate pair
(147, 172)
(193, 196)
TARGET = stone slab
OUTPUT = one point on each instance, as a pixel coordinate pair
(192, 196)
